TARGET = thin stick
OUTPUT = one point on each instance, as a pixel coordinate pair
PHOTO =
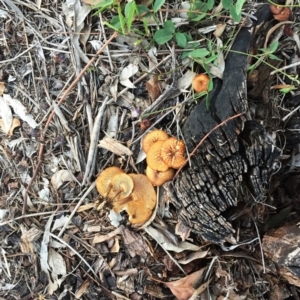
(204, 138)
(62, 99)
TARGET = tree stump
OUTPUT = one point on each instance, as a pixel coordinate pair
(237, 155)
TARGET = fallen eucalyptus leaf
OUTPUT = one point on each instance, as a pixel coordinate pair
(168, 245)
(60, 177)
(126, 73)
(114, 146)
(15, 123)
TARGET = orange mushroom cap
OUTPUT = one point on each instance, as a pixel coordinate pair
(154, 158)
(173, 152)
(141, 202)
(158, 178)
(103, 181)
(280, 13)
(200, 83)
(153, 137)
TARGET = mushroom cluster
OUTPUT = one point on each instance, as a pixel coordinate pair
(164, 155)
(133, 193)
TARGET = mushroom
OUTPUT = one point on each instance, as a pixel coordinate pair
(158, 178)
(141, 202)
(122, 186)
(200, 83)
(103, 181)
(280, 13)
(154, 158)
(172, 153)
(153, 137)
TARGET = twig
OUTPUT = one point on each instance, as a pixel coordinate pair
(63, 97)
(16, 57)
(76, 252)
(204, 138)
(94, 140)
(76, 207)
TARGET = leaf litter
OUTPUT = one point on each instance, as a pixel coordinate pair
(63, 245)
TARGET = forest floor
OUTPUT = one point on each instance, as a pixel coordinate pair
(76, 84)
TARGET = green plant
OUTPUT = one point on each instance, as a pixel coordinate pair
(168, 32)
(265, 54)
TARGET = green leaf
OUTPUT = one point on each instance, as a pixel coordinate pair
(130, 9)
(122, 19)
(287, 89)
(104, 4)
(185, 54)
(210, 4)
(239, 6)
(227, 3)
(157, 5)
(115, 26)
(211, 59)
(210, 85)
(142, 9)
(273, 47)
(234, 14)
(162, 36)
(198, 17)
(180, 39)
(272, 56)
(115, 22)
(188, 37)
(169, 26)
(146, 27)
(199, 53)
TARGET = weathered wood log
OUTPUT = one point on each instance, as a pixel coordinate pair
(236, 154)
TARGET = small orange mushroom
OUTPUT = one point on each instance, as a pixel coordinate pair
(153, 137)
(103, 181)
(200, 83)
(158, 178)
(154, 158)
(280, 13)
(173, 152)
(141, 202)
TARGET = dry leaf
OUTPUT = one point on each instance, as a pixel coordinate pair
(186, 80)
(102, 238)
(160, 238)
(6, 114)
(2, 87)
(60, 177)
(59, 222)
(112, 127)
(218, 69)
(126, 73)
(182, 230)
(153, 87)
(192, 256)
(280, 86)
(183, 288)
(15, 123)
(114, 146)
(92, 2)
(219, 30)
(58, 270)
(28, 238)
(19, 110)
(82, 289)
